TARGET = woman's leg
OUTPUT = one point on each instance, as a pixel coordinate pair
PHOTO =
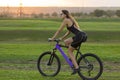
(70, 51)
(68, 41)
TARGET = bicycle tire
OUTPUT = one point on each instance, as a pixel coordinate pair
(85, 56)
(56, 65)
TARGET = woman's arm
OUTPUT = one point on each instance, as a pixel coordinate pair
(66, 34)
(59, 30)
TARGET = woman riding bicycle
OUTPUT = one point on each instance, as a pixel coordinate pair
(73, 42)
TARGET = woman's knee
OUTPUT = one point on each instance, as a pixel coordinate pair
(66, 42)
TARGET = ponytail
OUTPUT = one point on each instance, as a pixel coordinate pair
(73, 19)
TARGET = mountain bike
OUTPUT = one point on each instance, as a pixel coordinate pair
(90, 65)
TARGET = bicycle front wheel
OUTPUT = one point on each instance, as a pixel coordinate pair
(48, 64)
(91, 67)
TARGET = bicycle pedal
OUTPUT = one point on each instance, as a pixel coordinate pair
(75, 71)
(73, 67)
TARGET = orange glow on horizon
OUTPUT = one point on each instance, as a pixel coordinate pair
(61, 3)
(36, 3)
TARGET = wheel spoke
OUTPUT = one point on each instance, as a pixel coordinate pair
(84, 67)
(48, 65)
(90, 66)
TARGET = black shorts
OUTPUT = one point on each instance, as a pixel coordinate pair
(78, 39)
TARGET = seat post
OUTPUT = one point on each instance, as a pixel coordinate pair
(79, 47)
(78, 51)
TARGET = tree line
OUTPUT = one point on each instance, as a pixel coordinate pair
(96, 13)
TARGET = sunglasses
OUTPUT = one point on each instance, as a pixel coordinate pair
(61, 14)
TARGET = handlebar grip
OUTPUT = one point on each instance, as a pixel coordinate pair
(56, 40)
(49, 39)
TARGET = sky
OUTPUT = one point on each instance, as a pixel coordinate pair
(62, 3)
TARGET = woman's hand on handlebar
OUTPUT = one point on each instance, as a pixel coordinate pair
(51, 39)
(60, 39)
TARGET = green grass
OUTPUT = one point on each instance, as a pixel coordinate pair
(18, 61)
(34, 75)
(22, 41)
(26, 52)
(28, 24)
(100, 26)
(53, 25)
(37, 36)
(33, 30)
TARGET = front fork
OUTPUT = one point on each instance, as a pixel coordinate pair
(51, 57)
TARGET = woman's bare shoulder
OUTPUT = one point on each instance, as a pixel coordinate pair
(67, 20)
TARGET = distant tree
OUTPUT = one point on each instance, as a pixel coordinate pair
(47, 15)
(118, 13)
(54, 14)
(91, 14)
(77, 14)
(73, 14)
(34, 15)
(98, 13)
(41, 15)
(5, 15)
(109, 13)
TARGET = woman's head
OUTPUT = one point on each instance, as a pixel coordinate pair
(65, 14)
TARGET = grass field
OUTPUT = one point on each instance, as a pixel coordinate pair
(22, 41)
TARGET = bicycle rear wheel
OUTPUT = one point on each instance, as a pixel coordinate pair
(48, 64)
(91, 67)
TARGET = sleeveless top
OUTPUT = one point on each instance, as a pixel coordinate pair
(73, 29)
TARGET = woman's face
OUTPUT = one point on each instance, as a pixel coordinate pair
(63, 15)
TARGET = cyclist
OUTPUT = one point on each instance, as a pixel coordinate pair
(73, 42)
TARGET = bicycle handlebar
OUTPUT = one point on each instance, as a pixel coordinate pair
(57, 40)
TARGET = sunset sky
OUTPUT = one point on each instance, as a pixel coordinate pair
(62, 3)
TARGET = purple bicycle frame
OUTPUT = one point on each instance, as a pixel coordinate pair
(64, 55)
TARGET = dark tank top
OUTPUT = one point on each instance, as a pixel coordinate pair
(73, 29)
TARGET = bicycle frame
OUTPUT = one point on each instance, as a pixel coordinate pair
(53, 59)
(58, 47)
